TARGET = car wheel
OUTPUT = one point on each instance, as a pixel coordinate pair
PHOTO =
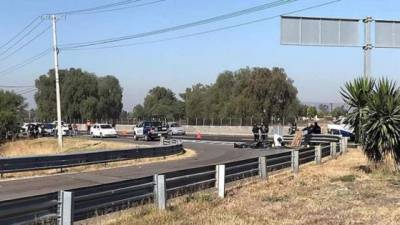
(101, 135)
(135, 137)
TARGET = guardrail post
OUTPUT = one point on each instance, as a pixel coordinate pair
(343, 145)
(162, 139)
(346, 140)
(262, 167)
(333, 150)
(220, 180)
(160, 194)
(66, 208)
(318, 154)
(295, 161)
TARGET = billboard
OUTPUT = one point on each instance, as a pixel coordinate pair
(387, 34)
(320, 31)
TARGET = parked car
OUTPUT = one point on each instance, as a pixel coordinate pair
(175, 129)
(149, 130)
(339, 128)
(47, 129)
(103, 130)
(30, 129)
(64, 128)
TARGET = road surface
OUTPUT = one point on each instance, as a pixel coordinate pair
(208, 153)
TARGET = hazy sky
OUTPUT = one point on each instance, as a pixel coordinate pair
(317, 72)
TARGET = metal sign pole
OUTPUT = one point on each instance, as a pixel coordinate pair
(367, 46)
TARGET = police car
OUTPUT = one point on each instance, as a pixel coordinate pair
(149, 130)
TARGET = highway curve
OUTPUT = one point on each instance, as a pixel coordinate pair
(207, 154)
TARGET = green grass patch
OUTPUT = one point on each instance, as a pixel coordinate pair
(346, 178)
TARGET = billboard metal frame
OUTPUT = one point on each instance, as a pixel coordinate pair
(367, 45)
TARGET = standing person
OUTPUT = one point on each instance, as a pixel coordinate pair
(316, 129)
(255, 131)
(70, 130)
(75, 127)
(88, 125)
(264, 131)
(293, 128)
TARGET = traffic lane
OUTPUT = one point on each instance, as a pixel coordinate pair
(207, 154)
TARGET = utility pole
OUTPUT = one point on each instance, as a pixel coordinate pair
(367, 46)
(55, 50)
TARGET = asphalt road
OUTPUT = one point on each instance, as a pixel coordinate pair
(209, 153)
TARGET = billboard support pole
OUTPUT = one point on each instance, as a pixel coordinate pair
(367, 46)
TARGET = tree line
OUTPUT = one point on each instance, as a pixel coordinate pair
(263, 93)
(259, 94)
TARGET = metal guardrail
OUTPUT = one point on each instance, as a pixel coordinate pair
(29, 210)
(307, 139)
(314, 138)
(84, 203)
(20, 164)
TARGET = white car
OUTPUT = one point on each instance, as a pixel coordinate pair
(64, 128)
(103, 130)
(339, 128)
(175, 129)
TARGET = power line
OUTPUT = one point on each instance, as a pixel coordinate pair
(20, 32)
(24, 63)
(22, 38)
(207, 31)
(16, 86)
(184, 26)
(96, 8)
(120, 8)
(27, 43)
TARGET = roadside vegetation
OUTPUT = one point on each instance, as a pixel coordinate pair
(375, 116)
(46, 146)
(338, 192)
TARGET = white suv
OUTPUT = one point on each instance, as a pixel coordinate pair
(103, 130)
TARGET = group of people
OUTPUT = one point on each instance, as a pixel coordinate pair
(260, 132)
(312, 129)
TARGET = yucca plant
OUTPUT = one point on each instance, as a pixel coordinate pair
(356, 95)
(382, 122)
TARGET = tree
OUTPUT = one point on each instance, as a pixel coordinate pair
(302, 110)
(109, 104)
(161, 102)
(339, 111)
(382, 122)
(375, 115)
(356, 95)
(250, 92)
(83, 96)
(323, 110)
(311, 111)
(138, 112)
(12, 107)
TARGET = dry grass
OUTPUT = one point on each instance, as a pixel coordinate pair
(46, 146)
(335, 193)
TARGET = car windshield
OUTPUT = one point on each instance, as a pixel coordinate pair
(152, 124)
(48, 126)
(106, 126)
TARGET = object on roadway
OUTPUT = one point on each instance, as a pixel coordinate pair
(253, 145)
